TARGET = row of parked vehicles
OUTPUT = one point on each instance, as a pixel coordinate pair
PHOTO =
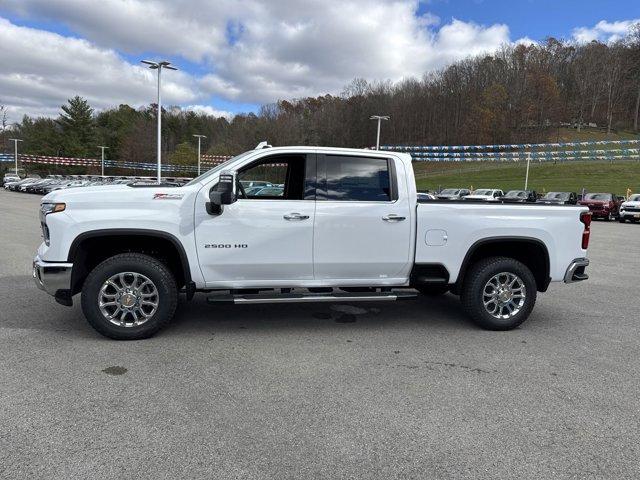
(43, 186)
(607, 206)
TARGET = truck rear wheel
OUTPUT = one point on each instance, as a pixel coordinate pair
(129, 296)
(499, 293)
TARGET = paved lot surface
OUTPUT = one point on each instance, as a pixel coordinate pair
(405, 390)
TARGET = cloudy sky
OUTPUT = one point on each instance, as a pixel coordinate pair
(234, 55)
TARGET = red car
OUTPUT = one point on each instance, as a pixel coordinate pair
(602, 205)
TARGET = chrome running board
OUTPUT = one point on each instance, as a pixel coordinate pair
(311, 297)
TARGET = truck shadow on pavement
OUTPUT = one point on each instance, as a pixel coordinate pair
(25, 307)
(443, 313)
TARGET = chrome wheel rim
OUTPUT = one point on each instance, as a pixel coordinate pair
(128, 299)
(504, 295)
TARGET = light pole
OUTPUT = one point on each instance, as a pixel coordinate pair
(101, 147)
(159, 66)
(526, 177)
(15, 151)
(379, 118)
(199, 137)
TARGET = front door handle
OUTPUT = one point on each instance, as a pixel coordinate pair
(295, 216)
(392, 217)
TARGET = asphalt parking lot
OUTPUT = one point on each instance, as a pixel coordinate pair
(403, 390)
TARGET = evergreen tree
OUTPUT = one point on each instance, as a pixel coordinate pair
(78, 128)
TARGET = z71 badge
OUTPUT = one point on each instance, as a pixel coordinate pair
(168, 196)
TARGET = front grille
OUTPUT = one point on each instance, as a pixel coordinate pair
(632, 209)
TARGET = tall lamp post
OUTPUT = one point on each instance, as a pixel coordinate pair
(102, 147)
(159, 66)
(199, 137)
(15, 151)
(379, 118)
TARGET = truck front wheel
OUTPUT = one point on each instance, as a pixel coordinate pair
(129, 296)
(499, 293)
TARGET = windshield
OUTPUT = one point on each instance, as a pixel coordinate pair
(515, 193)
(217, 168)
(482, 192)
(598, 196)
(634, 198)
(449, 191)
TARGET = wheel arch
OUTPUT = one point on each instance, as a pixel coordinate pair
(531, 251)
(90, 248)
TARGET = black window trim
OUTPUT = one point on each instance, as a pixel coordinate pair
(321, 191)
(310, 175)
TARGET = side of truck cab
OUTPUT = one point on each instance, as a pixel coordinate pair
(346, 225)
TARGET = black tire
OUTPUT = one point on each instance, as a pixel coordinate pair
(433, 290)
(154, 270)
(621, 219)
(473, 288)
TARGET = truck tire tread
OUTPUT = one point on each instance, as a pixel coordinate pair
(474, 282)
(165, 283)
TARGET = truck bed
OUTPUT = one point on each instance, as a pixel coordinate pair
(446, 228)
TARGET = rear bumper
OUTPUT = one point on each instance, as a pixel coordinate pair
(52, 277)
(576, 272)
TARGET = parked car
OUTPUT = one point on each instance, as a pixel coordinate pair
(485, 195)
(269, 192)
(255, 183)
(602, 205)
(453, 193)
(630, 210)
(563, 198)
(15, 186)
(350, 226)
(9, 178)
(252, 190)
(520, 196)
(425, 196)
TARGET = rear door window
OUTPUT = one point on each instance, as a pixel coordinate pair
(354, 178)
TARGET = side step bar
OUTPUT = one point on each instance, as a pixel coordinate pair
(312, 297)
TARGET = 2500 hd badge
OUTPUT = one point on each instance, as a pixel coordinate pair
(225, 245)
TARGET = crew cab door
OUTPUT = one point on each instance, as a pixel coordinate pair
(266, 237)
(363, 226)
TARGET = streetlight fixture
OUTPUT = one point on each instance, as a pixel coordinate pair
(15, 151)
(199, 137)
(102, 147)
(379, 118)
(159, 66)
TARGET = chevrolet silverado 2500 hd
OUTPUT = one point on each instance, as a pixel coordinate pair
(346, 226)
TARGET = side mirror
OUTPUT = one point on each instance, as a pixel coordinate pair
(223, 194)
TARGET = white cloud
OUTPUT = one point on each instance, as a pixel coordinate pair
(604, 31)
(209, 110)
(46, 69)
(247, 51)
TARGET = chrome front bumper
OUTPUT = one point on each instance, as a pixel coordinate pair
(52, 277)
(576, 271)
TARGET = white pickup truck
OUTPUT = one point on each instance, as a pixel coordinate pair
(346, 225)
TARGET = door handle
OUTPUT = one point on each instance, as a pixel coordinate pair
(392, 217)
(295, 216)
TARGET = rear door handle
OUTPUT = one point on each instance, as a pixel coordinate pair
(295, 216)
(392, 217)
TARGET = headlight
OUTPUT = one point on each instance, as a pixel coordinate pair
(46, 209)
